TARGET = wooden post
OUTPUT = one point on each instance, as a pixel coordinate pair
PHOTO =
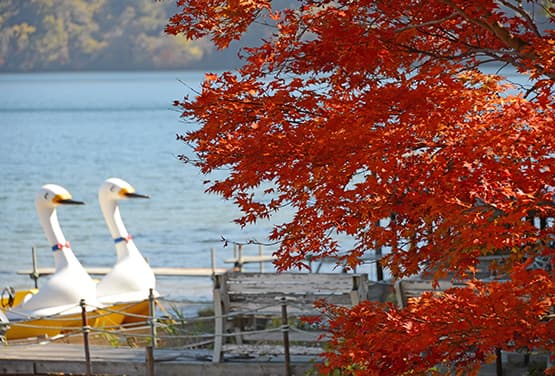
(260, 251)
(35, 274)
(285, 331)
(86, 329)
(149, 359)
(355, 292)
(379, 268)
(152, 318)
(498, 362)
(240, 258)
(218, 320)
(213, 260)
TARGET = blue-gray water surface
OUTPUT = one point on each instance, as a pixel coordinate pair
(78, 129)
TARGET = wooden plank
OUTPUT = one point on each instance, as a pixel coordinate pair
(294, 336)
(250, 259)
(270, 350)
(188, 272)
(54, 358)
(412, 288)
(245, 295)
(218, 325)
(292, 283)
(418, 286)
(261, 292)
(16, 367)
(256, 309)
(176, 272)
(77, 367)
(49, 271)
(294, 300)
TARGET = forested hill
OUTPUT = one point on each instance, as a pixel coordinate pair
(66, 35)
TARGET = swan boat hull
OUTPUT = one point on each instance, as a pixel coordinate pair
(108, 318)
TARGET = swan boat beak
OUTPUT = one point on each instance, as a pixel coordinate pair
(135, 195)
(70, 201)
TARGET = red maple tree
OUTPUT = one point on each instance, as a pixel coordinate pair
(376, 120)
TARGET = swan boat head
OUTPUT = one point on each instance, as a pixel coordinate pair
(70, 283)
(131, 278)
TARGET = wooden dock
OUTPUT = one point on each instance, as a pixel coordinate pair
(250, 259)
(175, 272)
(54, 358)
(238, 260)
(69, 359)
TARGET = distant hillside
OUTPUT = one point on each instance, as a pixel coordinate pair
(56, 35)
(62, 35)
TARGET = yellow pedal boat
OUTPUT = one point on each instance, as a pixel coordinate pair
(107, 318)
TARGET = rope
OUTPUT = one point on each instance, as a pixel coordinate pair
(26, 325)
(188, 319)
(120, 333)
(122, 312)
(296, 329)
(184, 301)
(54, 316)
(182, 336)
(119, 330)
(272, 330)
(229, 315)
(76, 331)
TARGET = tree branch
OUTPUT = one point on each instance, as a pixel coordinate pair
(425, 24)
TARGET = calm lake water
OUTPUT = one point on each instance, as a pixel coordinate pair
(78, 129)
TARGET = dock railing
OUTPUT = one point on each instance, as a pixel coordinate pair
(241, 298)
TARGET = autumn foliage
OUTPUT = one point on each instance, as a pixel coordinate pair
(376, 120)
